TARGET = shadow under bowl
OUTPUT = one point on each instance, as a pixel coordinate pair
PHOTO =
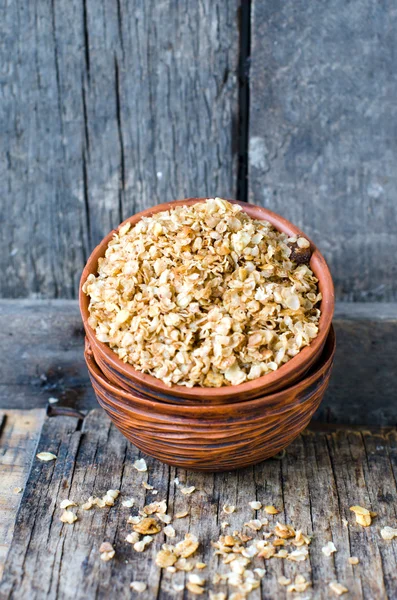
(124, 375)
(214, 437)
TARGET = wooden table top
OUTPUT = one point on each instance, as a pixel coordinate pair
(322, 474)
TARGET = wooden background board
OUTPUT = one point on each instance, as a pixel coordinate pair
(320, 477)
(107, 108)
(322, 142)
(19, 434)
(42, 343)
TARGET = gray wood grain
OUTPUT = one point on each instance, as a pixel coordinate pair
(107, 108)
(322, 143)
(321, 475)
(42, 344)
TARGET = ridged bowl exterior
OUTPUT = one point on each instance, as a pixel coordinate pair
(131, 380)
(214, 437)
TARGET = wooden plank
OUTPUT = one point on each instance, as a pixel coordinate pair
(107, 109)
(41, 344)
(19, 433)
(314, 484)
(321, 150)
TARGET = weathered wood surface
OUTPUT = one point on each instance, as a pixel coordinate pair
(320, 477)
(19, 433)
(322, 153)
(41, 344)
(107, 109)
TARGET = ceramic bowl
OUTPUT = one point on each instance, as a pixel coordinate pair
(214, 437)
(125, 376)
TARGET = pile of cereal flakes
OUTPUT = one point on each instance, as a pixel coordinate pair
(204, 295)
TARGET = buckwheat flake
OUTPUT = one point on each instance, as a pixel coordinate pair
(228, 509)
(128, 503)
(363, 515)
(283, 580)
(255, 505)
(169, 531)
(338, 588)
(148, 526)
(328, 549)
(188, 490)
(271, 510)
(141, 545)
(203, 295)
(138, 586)
(388, 533)
(147, 486)
(46, 456)
(66, 503)
(140, 465)
(68, 517)
(132, 537)
(353, 560)
(106, 551)
(181, 514)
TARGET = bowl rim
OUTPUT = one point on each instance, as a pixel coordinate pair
(196, 411)
(317, 264)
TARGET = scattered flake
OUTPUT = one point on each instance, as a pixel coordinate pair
(17, 490)
(224, 524)
(363, 515)
(52, 400)
(67, 503)
(140, 465)
(147, 486)
(106, 551)
(128, 503)
(165, 558)
(345, 522)
(284, 580)
(255, 505)
(46, 456)
(267, 552)
(178, 587)
(138, 586)
(140, 546)
(299, 554)
(260, 572)
(194, 588)
(300, 585)
(388, 533)
(176, 481)
(338, 588)
(284, 531)
(148, 526)
(155, 507)
(109, 498)
(169, 531)
(200, 565)
(184, 565)
(89, 504)
(353, 560)
(328, 549)
(229, 509)
(284, 554)
(68, 517)
(271, 510)
(182, 514)
(254, 524)
(196, 579)
(132, 537)
(164, 518)
(134, 520)
(171, 569)
(188, 490)
(179, 260)
(188, 546)
(217, 596)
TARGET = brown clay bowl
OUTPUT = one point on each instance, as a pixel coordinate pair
(214, 437)
(125, 376)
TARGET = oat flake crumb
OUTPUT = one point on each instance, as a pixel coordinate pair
(271, 510)
(255, 505)
(353, 560)
(17, 490)
(188, 490)
(129, 503)
(138, 586)
(328, 549)
(204, 295)
(68, 517)
(46, 456)
(106, 551)
(338, 588)
(388, 533)
(140, 465)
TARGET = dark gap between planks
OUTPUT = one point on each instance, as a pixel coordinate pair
(243, 99)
